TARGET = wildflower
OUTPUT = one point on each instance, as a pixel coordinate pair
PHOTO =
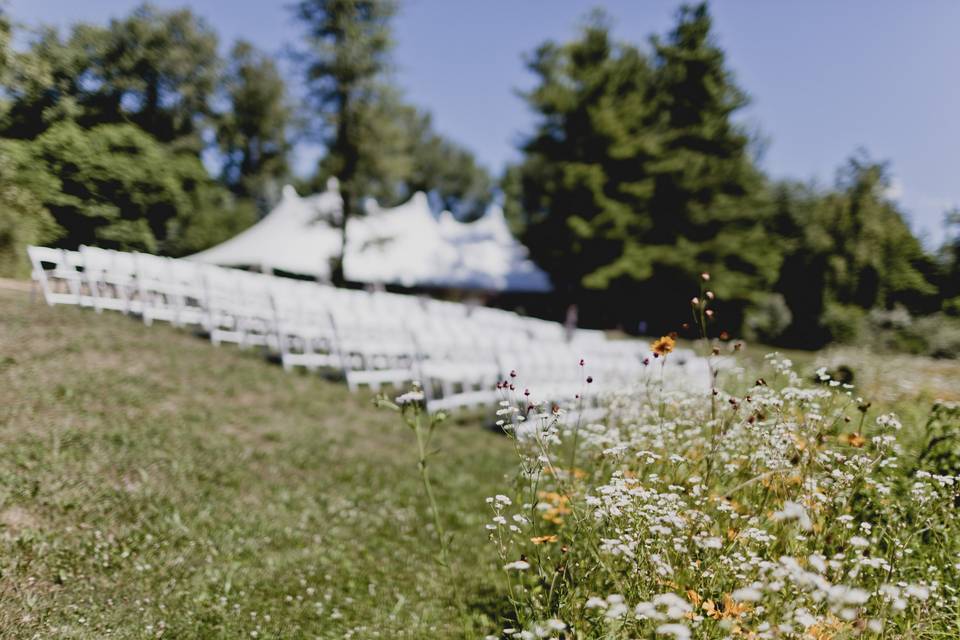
(662, 346)
(678, 631)
(747, 594)
(794, 511)
(705, 276)
(860, 542)
(676, 606)
(729, 609)
(542, 539)
(917, 591)
(517, 565)
(852, 439)
(410, 397)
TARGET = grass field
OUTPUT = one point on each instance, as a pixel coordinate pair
(152, 485)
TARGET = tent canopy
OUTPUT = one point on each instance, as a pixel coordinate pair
(406, 245)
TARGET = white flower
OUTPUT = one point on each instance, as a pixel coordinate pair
(678, 631)
(595, 603)
(556, 625)
(794, 511)
(676, 606)
(917, 591)
(747, 594)
(842, 594)
(518, 565)
(410, 397)
(859, 542)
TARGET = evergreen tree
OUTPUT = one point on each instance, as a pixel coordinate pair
(253, 132)
(581, 196)
(707, 208)
(637, 180)
(347, 56)
(851, 250)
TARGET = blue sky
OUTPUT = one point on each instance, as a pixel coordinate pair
(825, 77)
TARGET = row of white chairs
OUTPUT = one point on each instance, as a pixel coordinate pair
(458, 352)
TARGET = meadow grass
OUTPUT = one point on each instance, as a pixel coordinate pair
(152, 485)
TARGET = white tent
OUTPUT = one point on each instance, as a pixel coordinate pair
(405, 245)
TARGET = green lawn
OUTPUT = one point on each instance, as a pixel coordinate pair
(152, 485)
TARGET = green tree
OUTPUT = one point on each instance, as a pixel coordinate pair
(708, 208)
(253, 132)
(582, 194)
(850, 250)
(153, 68)
(5, 31)
(445, 170)
(637, 180)
(116, 186)
(347, 58)
(950, 261)
(23, 218)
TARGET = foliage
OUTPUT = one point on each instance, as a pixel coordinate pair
(253, 132)
(108, 126)
(850, 249)
(774, 509)
(215, 215)
(348, 44)
(950, 260)
(445, 170)
(636, 178)
(115, 186)
(23, 218)
(767, 319)
(936, 335)
(155, 69)
(377, 145)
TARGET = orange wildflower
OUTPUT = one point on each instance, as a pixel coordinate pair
(853, 439)
(542, 539)
(730, 609)
(663, 345)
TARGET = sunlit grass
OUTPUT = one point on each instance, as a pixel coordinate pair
(152, 485)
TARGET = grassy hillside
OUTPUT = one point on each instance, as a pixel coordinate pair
(152, 485)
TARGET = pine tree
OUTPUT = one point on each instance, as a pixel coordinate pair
(347, 57)
(253, 132)
(581, 193)
(637, 179)
(707, 208)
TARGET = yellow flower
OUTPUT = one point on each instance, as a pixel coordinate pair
(853, 439)
(663, 345)
(542, 539)
(730, 609)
